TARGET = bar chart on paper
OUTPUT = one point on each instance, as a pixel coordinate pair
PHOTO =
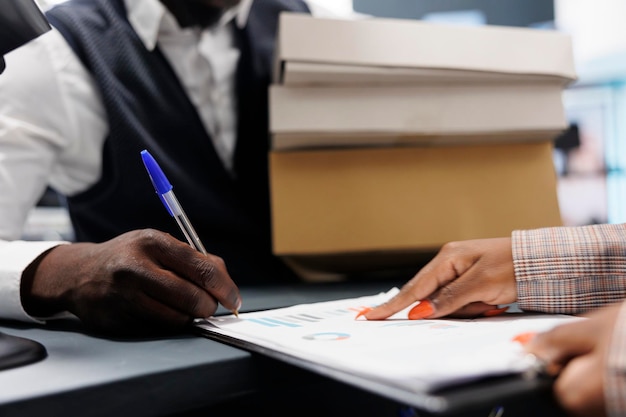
(417, 356)
(303, 319)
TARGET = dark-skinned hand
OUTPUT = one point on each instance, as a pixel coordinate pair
(143, 281)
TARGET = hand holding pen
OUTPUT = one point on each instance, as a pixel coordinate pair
(578, 355)
(165, 192)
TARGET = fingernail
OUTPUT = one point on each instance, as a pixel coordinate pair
(363, 311)
(424, 309)
(495, 312)
(524, 338)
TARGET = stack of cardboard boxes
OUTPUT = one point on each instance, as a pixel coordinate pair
(391, 137)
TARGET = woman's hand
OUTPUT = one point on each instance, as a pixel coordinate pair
(465, 279)
(577, 353)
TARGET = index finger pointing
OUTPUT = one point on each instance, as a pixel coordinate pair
(427, 281)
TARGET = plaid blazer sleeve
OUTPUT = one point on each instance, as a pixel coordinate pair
(570, 270)
(574, 270)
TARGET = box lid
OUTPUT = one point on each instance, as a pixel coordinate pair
(312, 49)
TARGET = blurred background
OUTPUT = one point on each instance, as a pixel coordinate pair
(590, 157)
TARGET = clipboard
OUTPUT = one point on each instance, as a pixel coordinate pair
(492, 392)
(469, 391)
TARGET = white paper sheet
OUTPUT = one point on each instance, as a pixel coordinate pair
(417, 355)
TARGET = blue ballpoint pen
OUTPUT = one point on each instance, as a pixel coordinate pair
(165, 192)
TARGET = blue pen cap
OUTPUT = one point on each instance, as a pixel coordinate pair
(158, 178)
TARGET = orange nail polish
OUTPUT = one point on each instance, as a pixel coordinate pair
(495, 312)
(424, 309)
(524, 338)
(363, 311)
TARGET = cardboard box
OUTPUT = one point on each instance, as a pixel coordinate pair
(331, 116)
(346, 210)
(311, 50)
(359, 109)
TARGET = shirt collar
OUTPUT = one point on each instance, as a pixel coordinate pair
(149, 17)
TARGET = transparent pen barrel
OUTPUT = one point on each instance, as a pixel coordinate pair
(183, 222)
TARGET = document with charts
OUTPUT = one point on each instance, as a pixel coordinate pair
(415, 355)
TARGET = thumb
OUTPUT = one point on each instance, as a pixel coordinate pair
(462, 298)
(427, 309)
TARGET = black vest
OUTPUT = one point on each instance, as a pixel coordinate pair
(147, 108)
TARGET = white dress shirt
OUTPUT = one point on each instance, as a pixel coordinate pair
(52, 131)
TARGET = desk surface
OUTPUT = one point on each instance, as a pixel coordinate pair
(85, 375)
